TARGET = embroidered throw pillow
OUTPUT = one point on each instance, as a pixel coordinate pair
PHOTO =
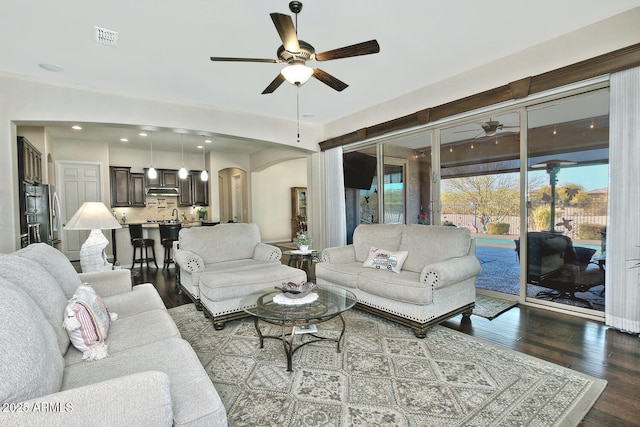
(87, 323)
(382, 259)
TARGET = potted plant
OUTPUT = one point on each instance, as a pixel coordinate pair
(202, 213)
(302, 241)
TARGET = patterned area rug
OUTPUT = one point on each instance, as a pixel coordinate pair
(384, 376)
(490, 307)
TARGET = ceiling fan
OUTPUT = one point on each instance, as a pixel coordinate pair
(489, 128)
(296, 53)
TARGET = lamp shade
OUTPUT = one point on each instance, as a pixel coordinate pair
(297, 74)
(92, 216)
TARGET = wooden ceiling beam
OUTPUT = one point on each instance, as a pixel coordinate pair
(607, 63)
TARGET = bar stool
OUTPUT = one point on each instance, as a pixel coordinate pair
(139, 242)
(168, 235)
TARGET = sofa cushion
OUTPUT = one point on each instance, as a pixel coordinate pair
(386, 236)
(56, 263)
(194, 398)
(223, 242)
(345, 275)
(225, 286)
(30, 361)
(403, 287)
(42, 288)
(385, 260)
(133, 331)
(87, 322)
(428, 244)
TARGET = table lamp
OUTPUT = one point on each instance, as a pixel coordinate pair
(96, 217)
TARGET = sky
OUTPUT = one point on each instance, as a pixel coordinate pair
(590, 177)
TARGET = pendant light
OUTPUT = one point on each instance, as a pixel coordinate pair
(151, 173)
(204, 176)
(182, 173)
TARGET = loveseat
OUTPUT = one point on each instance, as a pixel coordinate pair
(150, 376)
(416, 275)
(221, 264)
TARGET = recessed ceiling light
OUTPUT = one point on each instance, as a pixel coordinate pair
(51, 67)
(199, 146)
(142, 134)
(308, 115)
(76, 127)
(208, 141)
(124, 140)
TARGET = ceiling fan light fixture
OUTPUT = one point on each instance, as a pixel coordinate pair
(297, 74)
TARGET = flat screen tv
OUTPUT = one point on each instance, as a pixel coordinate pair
(359, 170)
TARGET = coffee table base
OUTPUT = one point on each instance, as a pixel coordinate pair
(287, 342)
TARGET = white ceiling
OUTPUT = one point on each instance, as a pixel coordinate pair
(164, 47)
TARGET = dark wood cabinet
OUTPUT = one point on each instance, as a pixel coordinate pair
(169, 178)
(200, 190)
(120, 186)
(193, 191)
(138, 190)
(165, 178)
(186, 191)
(29, 162)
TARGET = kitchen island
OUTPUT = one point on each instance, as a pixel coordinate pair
(124, 250)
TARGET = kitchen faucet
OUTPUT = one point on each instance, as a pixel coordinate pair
(175, 212)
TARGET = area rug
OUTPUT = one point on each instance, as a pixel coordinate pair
(384, 376)
(491, 307)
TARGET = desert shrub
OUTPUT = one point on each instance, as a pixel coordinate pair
(498, 227)
(590, 231)
(542, 217)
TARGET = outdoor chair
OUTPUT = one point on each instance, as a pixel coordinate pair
(554, 263)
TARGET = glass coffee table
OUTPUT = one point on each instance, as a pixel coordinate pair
(331, 303)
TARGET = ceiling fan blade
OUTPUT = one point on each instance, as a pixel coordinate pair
(224, 59)
(364, 48)
(329, 80)
(275, 84)
(286, 30)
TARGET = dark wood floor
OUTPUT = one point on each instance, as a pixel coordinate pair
(583, 345)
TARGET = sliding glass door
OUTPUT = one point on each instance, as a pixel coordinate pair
(568, 156)
(468, 172)
(479, 172)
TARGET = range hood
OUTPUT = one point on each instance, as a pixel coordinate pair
(163, 191)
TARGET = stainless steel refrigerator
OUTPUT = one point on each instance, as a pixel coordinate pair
(40, 216)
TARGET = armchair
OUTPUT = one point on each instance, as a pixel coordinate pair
(553, 262)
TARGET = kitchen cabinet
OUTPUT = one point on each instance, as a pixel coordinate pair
(200, 190)
(29, 162)
(186, 193)
(298, 210)
(166, 178)
(193, 191)
(120, 186)
(137, 185)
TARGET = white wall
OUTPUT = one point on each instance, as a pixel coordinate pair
(27, 101)
(271, 195)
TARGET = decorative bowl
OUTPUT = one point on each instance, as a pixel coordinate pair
(295, 290)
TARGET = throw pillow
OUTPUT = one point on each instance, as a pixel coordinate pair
(87, 323)
(383, 259)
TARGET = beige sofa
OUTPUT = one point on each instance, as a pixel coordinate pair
(150, 377)
(221, 264)
(436, 281)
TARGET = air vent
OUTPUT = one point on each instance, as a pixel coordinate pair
(106, 37)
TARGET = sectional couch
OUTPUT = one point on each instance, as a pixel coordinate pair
(221, 264)
(416, 275)
(151, 376)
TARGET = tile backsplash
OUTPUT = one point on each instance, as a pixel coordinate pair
(158, 208)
